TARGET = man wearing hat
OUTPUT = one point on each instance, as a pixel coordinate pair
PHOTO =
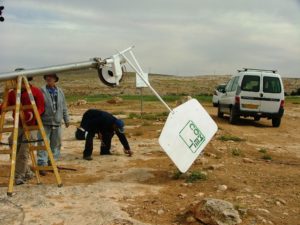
(95, 121)
(56, 111)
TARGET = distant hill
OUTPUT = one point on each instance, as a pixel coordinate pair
(87, 83)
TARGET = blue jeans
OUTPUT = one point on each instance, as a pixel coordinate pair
(53, 134)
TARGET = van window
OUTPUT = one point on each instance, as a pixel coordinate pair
(251, 83)
(235, 84)
(229, 85)
(272, 85)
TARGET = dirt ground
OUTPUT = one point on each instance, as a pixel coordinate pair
(261, 172)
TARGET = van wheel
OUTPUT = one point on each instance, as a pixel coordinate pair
(256, 118)
(276, 122)
(220, 114)
(233, 116)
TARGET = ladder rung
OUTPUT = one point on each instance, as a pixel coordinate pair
(37, 148)
(5, 151)
(32, 127)
(9, 108)
(7, 129)
(43, 168)
(25, 107)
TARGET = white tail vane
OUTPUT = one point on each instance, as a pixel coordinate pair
(188, 129)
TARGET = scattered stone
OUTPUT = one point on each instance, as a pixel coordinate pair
(81, 102)
(222, 187)
(263, 210)
(160, 211)
(223, 148)
(243, 211)
(212, 155)
(182, 195)
(256, 196)
(200, 194)
(216, 212)
(190, 219)
(203, 161)
(247, 160)
(153, 211)
(282, 201)
(182, 209)
(215, 166)
(248, 190)
(115, 100)
(186, 184)
(262, 219)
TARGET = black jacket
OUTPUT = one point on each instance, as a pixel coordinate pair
(97, 121)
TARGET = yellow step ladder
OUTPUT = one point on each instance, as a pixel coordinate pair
(18, 111)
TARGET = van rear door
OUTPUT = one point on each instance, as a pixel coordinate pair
(250, 92)
(272, 94)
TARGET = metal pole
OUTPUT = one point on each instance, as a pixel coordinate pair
(141, 102)
(146, 82)
(51, 69)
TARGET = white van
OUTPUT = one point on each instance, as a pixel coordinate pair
(253, 93)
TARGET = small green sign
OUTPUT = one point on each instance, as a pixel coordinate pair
(192, 136)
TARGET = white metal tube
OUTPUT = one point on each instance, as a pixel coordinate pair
(50, 69)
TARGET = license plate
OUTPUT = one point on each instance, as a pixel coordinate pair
(250, 106)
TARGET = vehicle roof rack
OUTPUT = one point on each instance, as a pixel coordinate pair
(253, 69)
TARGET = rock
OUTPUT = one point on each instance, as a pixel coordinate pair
(186, 184)
(247, 160)
(212, 155)
(160, 211)
(222, 187)
(200, 194)
(247, 189)
(256, 196)
(222, 148)
(278, 203)
(81, 102)
(243, 211)
(115, 100)
(182, 195)
(215, 166)
(190, 219)
(216, 212)
(263, 210)
(203, 161)
(280, 200)
(182, 209)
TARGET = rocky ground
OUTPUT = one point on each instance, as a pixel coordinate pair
(251, 165)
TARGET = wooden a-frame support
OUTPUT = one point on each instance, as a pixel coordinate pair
(18, 108)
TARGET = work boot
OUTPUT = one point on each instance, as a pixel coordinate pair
(89, 158)
(19, 181)
(43, 172)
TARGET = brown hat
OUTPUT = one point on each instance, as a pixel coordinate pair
(52, 75)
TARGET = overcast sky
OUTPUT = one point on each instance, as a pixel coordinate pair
(191, 37)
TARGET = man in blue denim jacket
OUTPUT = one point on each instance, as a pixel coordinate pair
(56, 111)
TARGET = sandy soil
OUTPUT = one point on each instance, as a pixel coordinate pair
(142, 189)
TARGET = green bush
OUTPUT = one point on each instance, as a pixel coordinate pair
(195, 176)
(228, 137)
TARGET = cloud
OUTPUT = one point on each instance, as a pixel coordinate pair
(172, 36)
